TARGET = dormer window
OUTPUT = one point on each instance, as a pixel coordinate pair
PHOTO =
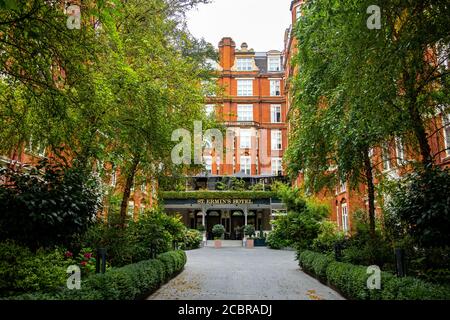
(274, 64)
(244, 64)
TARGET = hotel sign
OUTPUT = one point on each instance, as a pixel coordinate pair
(225, 201)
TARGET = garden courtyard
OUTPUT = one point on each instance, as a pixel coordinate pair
(237, 273)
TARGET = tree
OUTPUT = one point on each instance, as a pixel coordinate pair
(351, 92)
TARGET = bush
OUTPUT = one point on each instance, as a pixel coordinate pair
(275, 240)
(135, 281)
(315, 263)
(47, 205)
(328, 236)
(192, 239)
(132, 244)
(351, 281)
(218, 230)
(249, 230)
(23, 271)
(420, 201)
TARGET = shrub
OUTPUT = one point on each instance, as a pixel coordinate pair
(218, 230)
(351, 281)
(134, 281)
(420, 201)
(327, 237)
(47, 205)
(315, 263)
(275, 240)
(23, 271)
(192, 239)
(249, 230)
(132, 244)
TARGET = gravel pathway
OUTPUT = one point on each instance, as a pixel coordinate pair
(243, 274)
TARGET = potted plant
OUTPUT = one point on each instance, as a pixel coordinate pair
(249, 232)
(218, 230)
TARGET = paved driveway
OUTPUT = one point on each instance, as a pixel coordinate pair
(243, 274)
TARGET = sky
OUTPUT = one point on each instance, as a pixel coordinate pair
(260, 23)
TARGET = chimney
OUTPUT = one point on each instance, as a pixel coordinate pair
(227, 49)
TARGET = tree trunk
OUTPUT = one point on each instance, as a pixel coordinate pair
(370, 192)
(420, 133)
(127, 191)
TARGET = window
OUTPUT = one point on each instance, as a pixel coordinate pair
(142, 209)
(144, 187)
(386, 157)
(131, 208)
(36, 148)
(337, 215)
(246, 166)
(277, 166)
(446, 122)
(113, 178)
(343, 186)
(274, 63)
(344, 217)
(209, 109)
(298, 12)
(244, 88)
(275, 112)
(245, 112)
(276, 140)
(245, 139)
(400, 151)
(208, 163)
(244, 64)
(275, 90)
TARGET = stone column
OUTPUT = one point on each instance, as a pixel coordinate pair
(204, 224)
(245, 214)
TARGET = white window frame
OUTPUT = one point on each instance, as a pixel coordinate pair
(342, 186)
(246, 164)
(386, 155)
(298, 12)
(400, 151)
(344, 214)
(274, 63)
(209, 109)
(244, 64)
(245, 87)
(207, 161)
(277, 166)
(245, 138)
(276, 139)
(245, 112)
(275, 113)
(113, 178)
(446, 130)
(275, 88)
(130, 211)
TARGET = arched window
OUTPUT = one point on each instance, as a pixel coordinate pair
(344, 213)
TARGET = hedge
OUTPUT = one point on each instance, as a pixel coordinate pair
(134, 281)
(218, 195)
(351, 281)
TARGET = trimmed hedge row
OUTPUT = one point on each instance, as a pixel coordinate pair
(134, 281)
(351, 281)
(218, 195)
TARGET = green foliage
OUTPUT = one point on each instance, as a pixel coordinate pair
(192, 239)
(218, 230)
(132, 244)
(24, 271)
(420, 202)
(134, 281)
(249, 230)
(328, 236)
(48, 205)
(218, 195)
(351, 281)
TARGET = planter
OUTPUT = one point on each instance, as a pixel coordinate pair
(250, 243)
(260, 242)
(217, 244)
